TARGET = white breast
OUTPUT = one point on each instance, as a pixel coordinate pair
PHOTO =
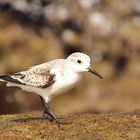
(64, 83)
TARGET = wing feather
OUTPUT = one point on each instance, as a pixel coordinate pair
(37, 76)
(35, 79)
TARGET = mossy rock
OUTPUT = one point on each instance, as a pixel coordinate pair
(30, 126)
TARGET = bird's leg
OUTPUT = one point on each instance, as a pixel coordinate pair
(48, 114)
(45, 113)
(53, 117)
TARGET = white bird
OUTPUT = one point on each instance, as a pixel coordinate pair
(51, 78)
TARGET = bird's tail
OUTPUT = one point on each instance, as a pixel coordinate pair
(4, 78)
(8, 78)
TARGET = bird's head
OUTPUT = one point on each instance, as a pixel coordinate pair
(80, 62)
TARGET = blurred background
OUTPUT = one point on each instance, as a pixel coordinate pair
(36, 31)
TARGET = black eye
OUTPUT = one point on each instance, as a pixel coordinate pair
(79, 61)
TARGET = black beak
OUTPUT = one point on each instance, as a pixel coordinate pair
(90, 69)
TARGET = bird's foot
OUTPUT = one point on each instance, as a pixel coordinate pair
(60, 121)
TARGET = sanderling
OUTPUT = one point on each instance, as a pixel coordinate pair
(51, 78)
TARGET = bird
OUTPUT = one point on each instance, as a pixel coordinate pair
(51, 79)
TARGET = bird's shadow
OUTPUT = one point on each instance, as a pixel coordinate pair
(20, 120)
(23, 120)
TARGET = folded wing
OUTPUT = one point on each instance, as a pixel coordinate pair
(31, 78)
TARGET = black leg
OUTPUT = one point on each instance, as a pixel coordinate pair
(42, 101)
(45, 113)
(51, 114)
(48, 114)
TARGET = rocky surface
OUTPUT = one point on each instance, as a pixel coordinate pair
(30, 126)
(36, 31)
